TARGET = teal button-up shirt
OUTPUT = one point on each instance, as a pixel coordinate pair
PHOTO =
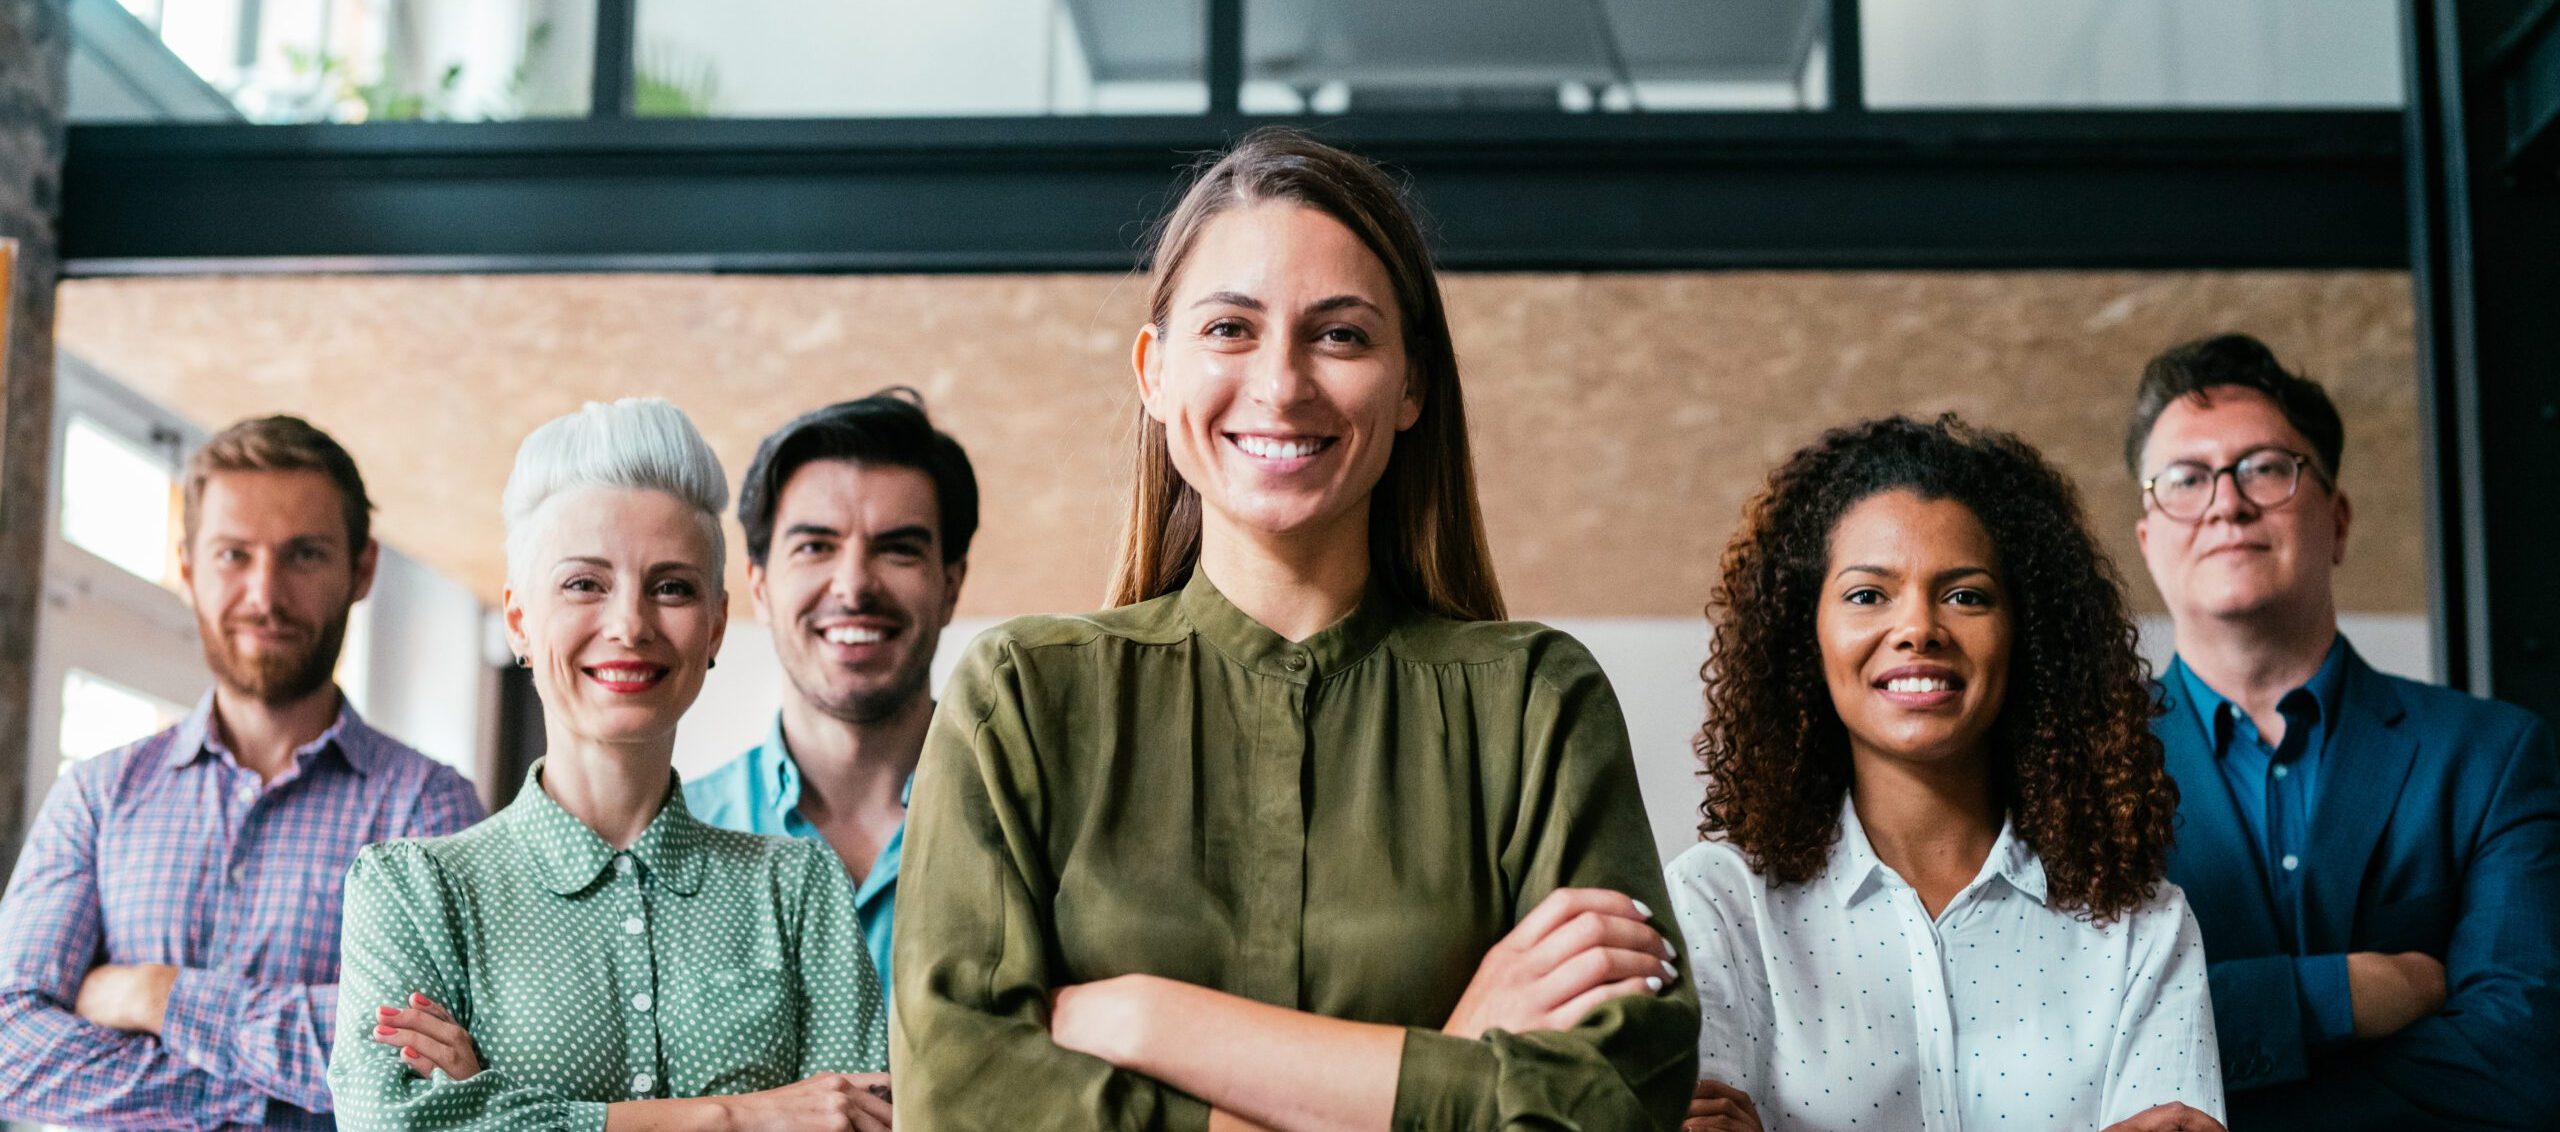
(759, 792)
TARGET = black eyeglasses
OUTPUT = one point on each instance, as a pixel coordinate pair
(2266, 477)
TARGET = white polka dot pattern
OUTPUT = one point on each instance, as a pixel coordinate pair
(698, 962)
(1840, 1004)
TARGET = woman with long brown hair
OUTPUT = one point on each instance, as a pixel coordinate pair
(1937, 821)
(1298, 835)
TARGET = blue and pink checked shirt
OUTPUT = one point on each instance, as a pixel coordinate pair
(168, 851)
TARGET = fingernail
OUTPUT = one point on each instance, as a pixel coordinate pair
(1641, 910)
(407, 1052)
(1668, 951)
(385, 1031)
(420, 999)
(388, 1011)
(1652, 983)
(1669, 971)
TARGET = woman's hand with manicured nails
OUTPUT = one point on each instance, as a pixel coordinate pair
(1578, 948)
(2171, 1117)
(1719, 1107)
(429, 1038)
(827, 1102)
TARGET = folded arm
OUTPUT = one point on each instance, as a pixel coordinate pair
(56, 1066)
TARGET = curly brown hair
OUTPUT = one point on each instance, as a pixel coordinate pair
(2074, 762)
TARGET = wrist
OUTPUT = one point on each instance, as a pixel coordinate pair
(1115, 1019)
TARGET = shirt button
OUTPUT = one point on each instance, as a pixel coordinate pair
(640, 1001)
(1297, 663)
(2291, 862)
(642, 1083)
(246, 793)
(633, 926)
(622, 866)
(239, 874)
(2282, 770)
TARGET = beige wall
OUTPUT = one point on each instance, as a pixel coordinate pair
(1620, 420)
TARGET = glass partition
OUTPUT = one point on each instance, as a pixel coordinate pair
(827, 58)
(2131, 54)
(296, 61)
(1336, 56)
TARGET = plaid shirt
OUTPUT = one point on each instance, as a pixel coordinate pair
(168, 851)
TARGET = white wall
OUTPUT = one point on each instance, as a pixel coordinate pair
(1652, 662)
(416, 663)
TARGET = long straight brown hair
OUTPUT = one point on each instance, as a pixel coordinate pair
(1426, 534)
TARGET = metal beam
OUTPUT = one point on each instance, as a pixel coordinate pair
(1222, 47)
(1531, 192)
(1846, 58)
(2482, 232)
(614, 86)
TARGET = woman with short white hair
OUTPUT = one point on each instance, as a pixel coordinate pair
(592, 956)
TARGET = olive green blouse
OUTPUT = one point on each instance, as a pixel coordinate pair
(1343, 825)
(697, 962)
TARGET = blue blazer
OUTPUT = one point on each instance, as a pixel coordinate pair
(2436, 829)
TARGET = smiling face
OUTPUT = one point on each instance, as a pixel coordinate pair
(2239, 560)
(271, 577)
(617, 612)
(855, 587)
(1915, 629)
(1280, 375)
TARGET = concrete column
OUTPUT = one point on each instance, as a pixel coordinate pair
(35, 47)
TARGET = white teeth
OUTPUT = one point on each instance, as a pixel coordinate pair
(1272, 449)
(854, 635)
(1920, 684)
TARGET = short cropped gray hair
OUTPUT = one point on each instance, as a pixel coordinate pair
(640, 443)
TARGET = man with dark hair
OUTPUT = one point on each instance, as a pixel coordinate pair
(171, 951)
(858, 520)
(2375, 862)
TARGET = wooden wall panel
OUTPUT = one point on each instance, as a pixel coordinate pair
(1620, 420)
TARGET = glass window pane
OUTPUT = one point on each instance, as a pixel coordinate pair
(1336, 56)
(333, 60)
(2131, 53)
(117, 501)
(100, 715)
(797, 58)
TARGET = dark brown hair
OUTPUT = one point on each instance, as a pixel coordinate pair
(1426, 535)
(281, 444)
(2074, 762)
(886, 429)
(2195, 369)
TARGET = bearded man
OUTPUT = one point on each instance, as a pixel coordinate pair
(170, 955)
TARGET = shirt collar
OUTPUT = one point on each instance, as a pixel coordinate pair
(776, 768)
(572, 856)
(779, 771)
(1248, 642)
(2327, 688)
(1855, 872)
(355, 742)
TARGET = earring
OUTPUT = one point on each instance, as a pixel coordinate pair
(715, 663)
(521, 662)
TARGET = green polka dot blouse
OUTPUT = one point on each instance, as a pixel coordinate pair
(697, 962)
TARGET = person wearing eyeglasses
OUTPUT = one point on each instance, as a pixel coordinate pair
(2375, 862)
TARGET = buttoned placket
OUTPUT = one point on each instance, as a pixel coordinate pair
(232, 906)
(1277, 773)
(1931, 1002)
(635, 977)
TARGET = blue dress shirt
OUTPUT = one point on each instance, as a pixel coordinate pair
(2275, 789)
(759, 792)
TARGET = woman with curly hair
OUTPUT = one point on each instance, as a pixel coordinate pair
(1930, 892)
